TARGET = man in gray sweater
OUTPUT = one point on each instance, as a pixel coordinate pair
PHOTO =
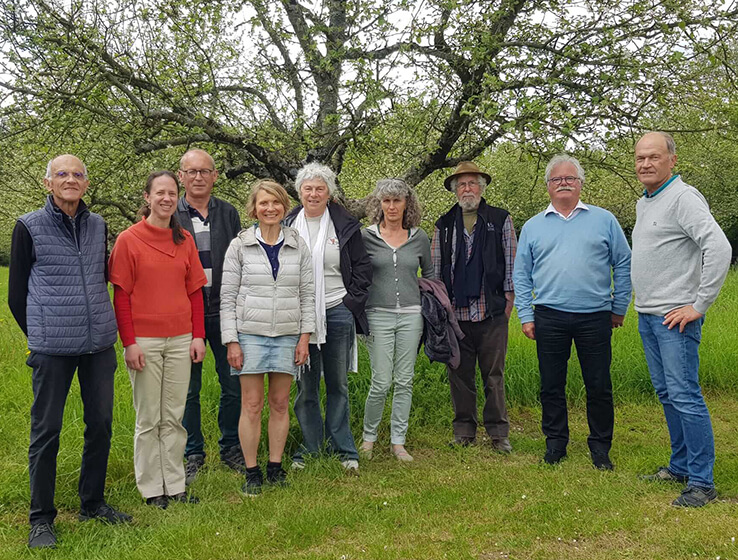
(680, 260)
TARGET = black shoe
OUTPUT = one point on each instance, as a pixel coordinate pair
(106, 514)
(502, 445)
(254, 482)
(276, 475)
(663, 474)
(693, 496)
(192, 467)
(233, 459)
(462, 442)
(158, 501)
(601, 460)
(183, 498)
(554, 456)
(42, 535)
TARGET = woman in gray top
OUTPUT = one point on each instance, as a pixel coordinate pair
(397, 248)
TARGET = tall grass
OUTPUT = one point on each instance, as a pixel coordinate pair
(450, 503)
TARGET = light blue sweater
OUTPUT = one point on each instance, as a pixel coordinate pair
(567, 264)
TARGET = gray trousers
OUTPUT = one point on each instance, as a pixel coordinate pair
(486, 343)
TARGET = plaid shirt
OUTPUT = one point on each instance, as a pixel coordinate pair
(476, 311)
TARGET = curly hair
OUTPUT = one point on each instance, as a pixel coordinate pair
(388, 188)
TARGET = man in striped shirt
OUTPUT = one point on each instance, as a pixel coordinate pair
(473, 251)
(213, 223)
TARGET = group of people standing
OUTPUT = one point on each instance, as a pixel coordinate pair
(286, 297)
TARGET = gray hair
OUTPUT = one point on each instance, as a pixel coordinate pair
(315, 170)
(564, 158)
(390, 188)
(482, 182)
(48, 166)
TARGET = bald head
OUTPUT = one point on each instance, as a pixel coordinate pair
(62, 159)
(196, 153)
(658, 137)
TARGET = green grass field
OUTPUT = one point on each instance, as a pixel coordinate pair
(449, 503)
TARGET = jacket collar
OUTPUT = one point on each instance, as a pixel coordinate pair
(248, 236)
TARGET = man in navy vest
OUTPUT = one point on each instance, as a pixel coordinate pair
(58, 294)
(473, 250)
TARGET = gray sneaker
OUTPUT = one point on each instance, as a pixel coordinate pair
(694, 496)
(192, 467)
(663, 474)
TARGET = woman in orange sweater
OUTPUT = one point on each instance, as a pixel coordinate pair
(157, 276)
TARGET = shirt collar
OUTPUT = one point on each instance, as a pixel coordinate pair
(194, 212)
(661, 188)
(580, 205)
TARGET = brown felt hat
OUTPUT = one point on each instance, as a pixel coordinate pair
(465, 167)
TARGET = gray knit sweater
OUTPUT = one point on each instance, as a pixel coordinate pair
(395, 271)
(680, 254)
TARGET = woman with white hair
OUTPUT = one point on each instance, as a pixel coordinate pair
(342, 274)
(397, 248)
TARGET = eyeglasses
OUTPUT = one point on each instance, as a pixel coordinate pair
(192, 173)
(470, 184)
(569, 180)
(64, 174)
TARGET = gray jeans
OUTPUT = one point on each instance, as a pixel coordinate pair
(393, 348)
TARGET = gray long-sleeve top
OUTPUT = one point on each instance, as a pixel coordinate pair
(680, 254)
(395, 271)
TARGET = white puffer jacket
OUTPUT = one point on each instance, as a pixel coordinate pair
(253, 302)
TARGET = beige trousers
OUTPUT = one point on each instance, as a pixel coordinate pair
(159, 397)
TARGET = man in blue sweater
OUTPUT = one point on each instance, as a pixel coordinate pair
(572, 279)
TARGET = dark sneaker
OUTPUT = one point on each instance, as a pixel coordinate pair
(276, 475)
(601, 460)
(554, 456)
(106, 514)
(192, 467)
(664, 475)
(233, 459)
(501, 445)
(158, 501)
(253, 484)
(42, 535)
(462, 442)
(694, 496)
(183, 498)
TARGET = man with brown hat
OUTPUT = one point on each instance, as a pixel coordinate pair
(473, 251)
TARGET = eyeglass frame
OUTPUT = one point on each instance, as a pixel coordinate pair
(192, 173)
(569, 180)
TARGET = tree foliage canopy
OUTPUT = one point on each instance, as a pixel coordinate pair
(271, 85)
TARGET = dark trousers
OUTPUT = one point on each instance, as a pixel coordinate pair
(485, 342)
(52, 377)
(229, 409)
(591, 333)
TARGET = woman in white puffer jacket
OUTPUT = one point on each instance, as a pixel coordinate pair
(267, 312)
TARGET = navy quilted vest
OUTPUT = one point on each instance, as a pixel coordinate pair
(68, 306)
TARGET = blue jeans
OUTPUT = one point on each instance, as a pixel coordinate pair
(229, 409)
(332, 360)
(673, 361)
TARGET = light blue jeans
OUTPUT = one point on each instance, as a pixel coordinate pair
(673, 361)
(393, 348)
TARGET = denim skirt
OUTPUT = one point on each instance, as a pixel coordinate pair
(265, 354)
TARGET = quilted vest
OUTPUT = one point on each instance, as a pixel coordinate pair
(68, 307)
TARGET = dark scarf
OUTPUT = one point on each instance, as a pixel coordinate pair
(468, 275)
